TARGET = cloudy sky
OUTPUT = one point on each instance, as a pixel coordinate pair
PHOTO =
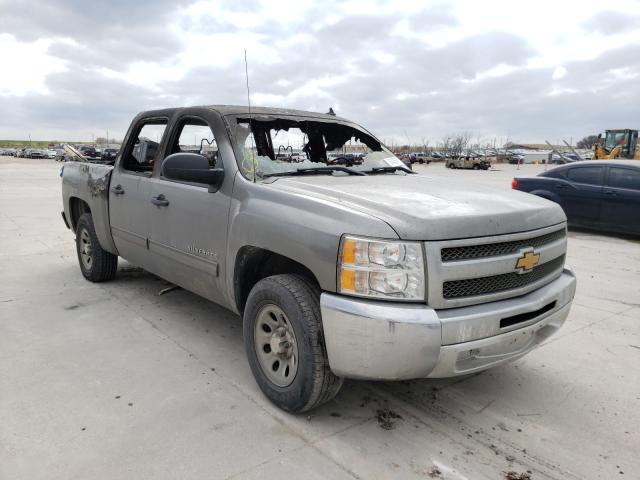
(418, 70)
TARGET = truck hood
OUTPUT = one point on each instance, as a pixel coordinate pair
(421, 208)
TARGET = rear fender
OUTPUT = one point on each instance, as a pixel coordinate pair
(89, 183)
(546, 194)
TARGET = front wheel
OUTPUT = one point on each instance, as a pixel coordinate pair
(283, 338)
(96, 264)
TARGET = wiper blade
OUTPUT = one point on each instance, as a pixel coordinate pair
(306, 171)
(389, 169)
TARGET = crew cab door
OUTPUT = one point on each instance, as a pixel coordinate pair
(129, 190)
(581, 195)
(189, 223)
(621, 199)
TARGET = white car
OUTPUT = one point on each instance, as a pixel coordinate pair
(51, 154)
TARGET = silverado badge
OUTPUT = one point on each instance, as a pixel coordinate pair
(527, 261)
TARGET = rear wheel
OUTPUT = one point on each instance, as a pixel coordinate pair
(282, 330)
(96, 264)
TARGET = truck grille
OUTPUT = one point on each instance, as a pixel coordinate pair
(471, 271)
(499, 283)
(453, 254)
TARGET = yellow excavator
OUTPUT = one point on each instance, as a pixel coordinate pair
(617, 144)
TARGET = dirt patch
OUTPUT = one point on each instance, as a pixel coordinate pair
(511, 475)
(434, 472)
(387, 418)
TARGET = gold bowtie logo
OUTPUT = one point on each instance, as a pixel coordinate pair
(527, 261)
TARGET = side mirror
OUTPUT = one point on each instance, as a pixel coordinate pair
(192, 167)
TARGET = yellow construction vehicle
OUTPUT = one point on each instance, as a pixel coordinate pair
(617, 144)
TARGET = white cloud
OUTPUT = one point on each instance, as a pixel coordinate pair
(559, 72)
(26, 66)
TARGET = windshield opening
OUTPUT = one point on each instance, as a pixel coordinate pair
(282, 146)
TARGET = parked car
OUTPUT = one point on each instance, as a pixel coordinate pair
(422, 157)
(564, 158)
(50, 154)
(367, 272)
(35, 153)
(603, 195)
(109, 154)
(90, 152)
(406, 159)
(516, 158)
(347, 159)
(61, 155)
(468, 163)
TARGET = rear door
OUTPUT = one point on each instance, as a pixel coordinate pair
(621, 199)
(129, 190)
(581, 196)
(189, 225)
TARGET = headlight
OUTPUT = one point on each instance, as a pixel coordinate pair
(381, 269)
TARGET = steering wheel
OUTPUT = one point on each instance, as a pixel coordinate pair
(341, 161)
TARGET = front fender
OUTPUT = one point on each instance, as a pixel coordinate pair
(297, 226)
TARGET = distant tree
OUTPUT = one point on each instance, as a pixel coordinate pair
(460, 144)
(587, 142)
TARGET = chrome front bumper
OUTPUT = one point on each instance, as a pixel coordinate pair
(395, 341)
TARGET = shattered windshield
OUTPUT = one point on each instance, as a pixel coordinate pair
(281, 146)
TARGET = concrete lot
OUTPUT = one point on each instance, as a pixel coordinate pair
(114, 381)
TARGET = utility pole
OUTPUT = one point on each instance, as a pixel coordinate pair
(107, 138)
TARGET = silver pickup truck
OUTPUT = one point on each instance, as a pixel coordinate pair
(341, 262)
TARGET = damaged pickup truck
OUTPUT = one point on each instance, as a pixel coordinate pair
(339, 269)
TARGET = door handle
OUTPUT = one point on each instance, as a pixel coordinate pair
(117, 190)
(611, 192)
(160, 201)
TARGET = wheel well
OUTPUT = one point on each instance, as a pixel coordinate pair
(253, 264)
(77, 207)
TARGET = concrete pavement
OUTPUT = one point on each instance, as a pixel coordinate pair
(115, 381)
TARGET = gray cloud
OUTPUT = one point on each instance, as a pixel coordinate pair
(424, 92)
(610, 23)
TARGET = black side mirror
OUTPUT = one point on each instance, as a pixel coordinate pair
(192, 167)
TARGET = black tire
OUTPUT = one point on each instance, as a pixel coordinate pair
(101, 265)
(313, 383)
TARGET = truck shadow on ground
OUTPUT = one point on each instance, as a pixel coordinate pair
(194, 317)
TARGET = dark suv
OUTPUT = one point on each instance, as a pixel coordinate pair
(109, 155)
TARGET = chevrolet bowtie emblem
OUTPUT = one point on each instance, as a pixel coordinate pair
(527, 261)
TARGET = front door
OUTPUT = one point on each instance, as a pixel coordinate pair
(189, 224)
(621, 199)
(129, 191)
